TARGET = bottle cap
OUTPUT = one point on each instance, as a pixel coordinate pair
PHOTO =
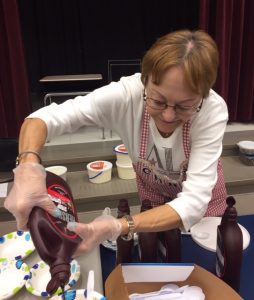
(123, 206)
(230, 213)
(60, 275)
(230, 201)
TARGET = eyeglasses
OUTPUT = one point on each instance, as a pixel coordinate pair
(179, 109)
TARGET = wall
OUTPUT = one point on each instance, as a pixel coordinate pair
(80, 36)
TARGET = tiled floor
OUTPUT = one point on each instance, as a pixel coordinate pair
(93, 134)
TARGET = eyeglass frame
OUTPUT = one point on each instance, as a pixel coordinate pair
(195, 108)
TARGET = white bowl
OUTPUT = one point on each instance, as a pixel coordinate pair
(13, 275)
(122, 155)
(16, 245)
(78, 295)
(99, 171)
(204, 233)
(40, 276)
(58, 170)
(246, 147)
(125, 172)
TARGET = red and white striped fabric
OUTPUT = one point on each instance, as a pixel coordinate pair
(160, 188)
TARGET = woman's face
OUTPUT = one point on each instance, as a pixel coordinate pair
(172, 91)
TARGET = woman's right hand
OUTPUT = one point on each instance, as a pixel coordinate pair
(102, 228)
(29, 190)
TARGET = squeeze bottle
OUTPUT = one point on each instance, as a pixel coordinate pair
(148, 241)
(229, 250)
(53, 241)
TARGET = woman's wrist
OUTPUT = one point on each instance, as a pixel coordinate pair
(124, 226)
(28, 156)
(128, 234)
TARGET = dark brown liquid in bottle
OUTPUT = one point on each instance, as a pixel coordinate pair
(172, 243)
(125, 249)
(148, 241)
(229, 250)
(53, 241)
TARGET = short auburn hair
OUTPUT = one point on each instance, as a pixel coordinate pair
(194, 51)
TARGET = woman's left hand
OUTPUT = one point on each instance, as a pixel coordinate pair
(105, 227)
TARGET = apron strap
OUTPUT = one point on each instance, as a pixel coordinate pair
(144, 134)
(186, 139)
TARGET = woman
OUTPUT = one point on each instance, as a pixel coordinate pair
(172, 124)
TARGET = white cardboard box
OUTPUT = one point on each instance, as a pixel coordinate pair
(143, 278)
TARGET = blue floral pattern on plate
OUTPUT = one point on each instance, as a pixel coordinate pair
(13, 275)
(40, 273)
(16, 245)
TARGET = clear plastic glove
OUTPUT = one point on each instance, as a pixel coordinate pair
(105, 227)
(29, 190)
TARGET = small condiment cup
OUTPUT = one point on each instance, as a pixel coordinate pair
(58, 170)
(99, 171)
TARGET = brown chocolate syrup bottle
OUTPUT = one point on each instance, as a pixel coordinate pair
(229, 251)
(53, 241)
(125, 249)
(147, 241)
(172, 241)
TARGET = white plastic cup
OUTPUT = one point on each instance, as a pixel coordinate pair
(99, 171)
(122, 155)
(125, 172)
(58, 170)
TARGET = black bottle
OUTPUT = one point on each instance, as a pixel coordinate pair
(170, 246)
(147, 241)
(229, 251)
(125, 249)
(53, 241)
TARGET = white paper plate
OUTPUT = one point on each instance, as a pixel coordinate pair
(16, 245)
(13, 275)
(204, 233)
(246, 145)
(78, 295)
(40, 277)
